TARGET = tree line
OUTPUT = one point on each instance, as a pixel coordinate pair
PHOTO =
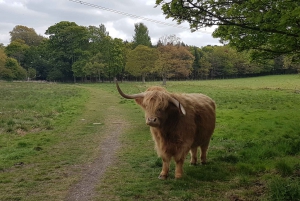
(77, 53)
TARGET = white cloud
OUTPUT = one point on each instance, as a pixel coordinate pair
(114, 32)
(41, 14)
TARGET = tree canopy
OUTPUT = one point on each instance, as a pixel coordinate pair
(141, 36)
(174, 61)
(28, 35)
(141, 61)
(67, 41)
(270, 28)
(17, 49)
(10, 69)
(74, 52)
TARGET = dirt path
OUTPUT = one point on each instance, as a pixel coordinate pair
(93, 173)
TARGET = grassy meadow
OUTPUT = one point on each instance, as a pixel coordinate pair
(47, 135)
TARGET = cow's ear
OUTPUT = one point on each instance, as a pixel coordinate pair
(181, 109)
(139, 101)
(178, 105)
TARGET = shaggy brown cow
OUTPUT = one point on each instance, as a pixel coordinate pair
(179, 123)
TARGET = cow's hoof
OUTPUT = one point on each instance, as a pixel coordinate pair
(163, 177)
(178, 177)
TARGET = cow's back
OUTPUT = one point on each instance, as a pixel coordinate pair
(200, 112)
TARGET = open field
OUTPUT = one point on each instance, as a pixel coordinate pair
(41, 161)
(47, 135)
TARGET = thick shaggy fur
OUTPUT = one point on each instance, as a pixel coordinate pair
(174, 133)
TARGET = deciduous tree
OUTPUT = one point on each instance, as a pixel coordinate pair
(5, 73)
(66, 41)
(114, 57)
(17, 50)
(95, 66)
(141, 36)
(28, 35)
(78, 67)
(141, 61)
(111, 49)
(205, 67)
(174, 61)
(18, 73)
(289, 64)
(39, 58)
(271, 28)
(3, 57)
(98, 38)
(171, 39)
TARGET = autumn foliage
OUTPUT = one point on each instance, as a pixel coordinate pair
(174, 60)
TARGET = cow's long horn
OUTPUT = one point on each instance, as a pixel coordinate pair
(127, 96)
(180, 107)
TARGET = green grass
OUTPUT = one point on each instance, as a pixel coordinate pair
(42, 163)
(46, 135)
(32, 121)
(256, 143)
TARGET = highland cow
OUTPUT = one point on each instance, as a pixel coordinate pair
(179, 123)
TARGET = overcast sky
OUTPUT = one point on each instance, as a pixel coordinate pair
(41, 14)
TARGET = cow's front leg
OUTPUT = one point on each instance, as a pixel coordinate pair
(193, 152)
(165, 168)
(179, 168)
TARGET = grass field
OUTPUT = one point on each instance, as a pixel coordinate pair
(254, 153)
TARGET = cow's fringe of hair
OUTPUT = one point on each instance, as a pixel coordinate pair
(155, 100)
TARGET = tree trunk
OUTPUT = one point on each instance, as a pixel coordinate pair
(164, 81)
(143, 78)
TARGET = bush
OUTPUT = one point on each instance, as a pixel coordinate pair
(6, 74)
(13, 70)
